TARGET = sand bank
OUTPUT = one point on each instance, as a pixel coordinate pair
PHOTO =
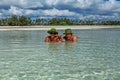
(49, 27)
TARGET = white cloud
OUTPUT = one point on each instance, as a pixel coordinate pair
(56, 12)
(28, 12)
(21, 3)
(0, 15)
(28, 4)
(117, 10)
(110, 5)
(51, 2)
(10, 2)
(15, 11)
(70, 8)
(101, 17)
(83, 3)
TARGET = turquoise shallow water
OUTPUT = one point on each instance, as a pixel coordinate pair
(25, 56)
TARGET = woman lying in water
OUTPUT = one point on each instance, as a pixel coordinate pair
(69, 36)
(53, 36)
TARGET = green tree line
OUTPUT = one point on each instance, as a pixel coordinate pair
(26, 21)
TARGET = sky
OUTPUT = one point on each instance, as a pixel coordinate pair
(75, 9)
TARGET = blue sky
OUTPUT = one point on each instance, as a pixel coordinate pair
(77, 9)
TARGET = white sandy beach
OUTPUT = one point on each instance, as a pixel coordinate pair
(5, 28)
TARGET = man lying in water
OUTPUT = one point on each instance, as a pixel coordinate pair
(69, 36)
(53, 36)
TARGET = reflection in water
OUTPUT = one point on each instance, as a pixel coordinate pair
(69, 45)
(53, 46)
(66, 46)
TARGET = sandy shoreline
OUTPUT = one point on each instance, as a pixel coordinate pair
(5, 28)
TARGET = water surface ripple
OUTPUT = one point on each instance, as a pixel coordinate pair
(25, 56)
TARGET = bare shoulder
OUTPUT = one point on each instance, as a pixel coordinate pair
(47, 39)
(75, 38)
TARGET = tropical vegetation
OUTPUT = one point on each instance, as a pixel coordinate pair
(26, 21)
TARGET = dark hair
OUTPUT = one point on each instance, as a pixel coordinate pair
(53, 32)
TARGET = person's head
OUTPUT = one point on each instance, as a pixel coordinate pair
(68, 32)
(53, 32)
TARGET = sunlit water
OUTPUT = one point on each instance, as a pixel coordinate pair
(25, 56)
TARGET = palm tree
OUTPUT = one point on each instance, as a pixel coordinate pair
(24, 21)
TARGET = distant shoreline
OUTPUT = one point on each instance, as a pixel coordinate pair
(5, 28)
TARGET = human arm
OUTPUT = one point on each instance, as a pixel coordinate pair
(63, 39)
(47, 39)
(75, 39)
(57, 38)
